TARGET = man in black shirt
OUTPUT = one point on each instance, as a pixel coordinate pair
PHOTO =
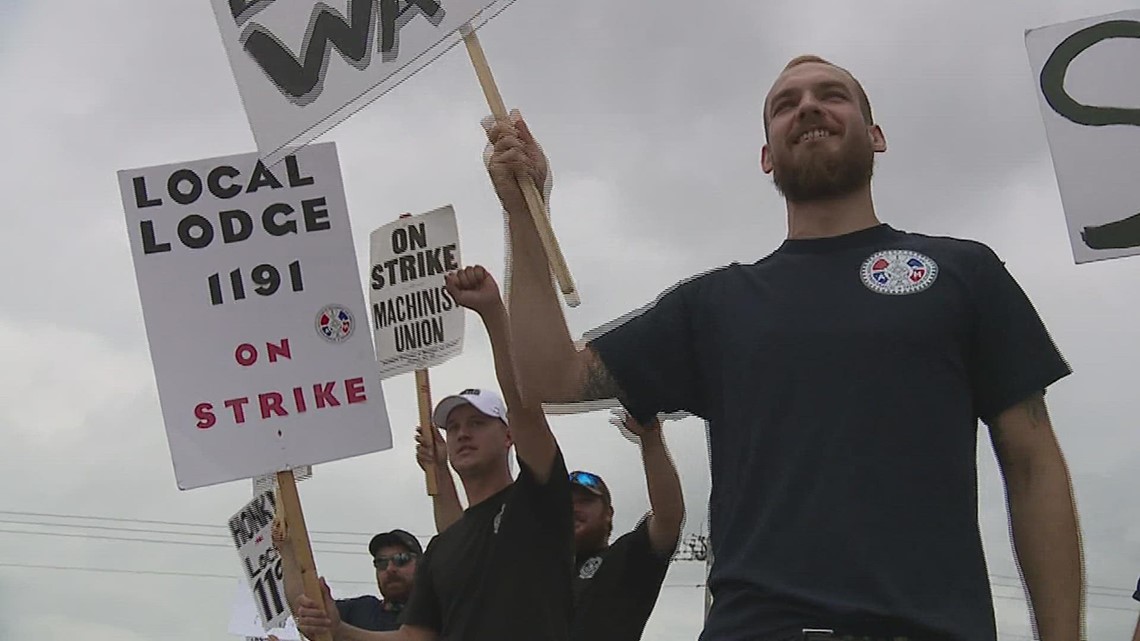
(1136, 596)
(616, 585)
(394, 556)
(503, 570)
(842, 378)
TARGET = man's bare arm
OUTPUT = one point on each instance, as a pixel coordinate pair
(1043, 517)
(534, 442)
(445, 504)
(665, 498)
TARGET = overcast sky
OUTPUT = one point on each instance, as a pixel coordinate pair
(650, 113)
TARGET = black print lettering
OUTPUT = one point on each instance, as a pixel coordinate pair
(1120, 234)
(401, 269)
(301, 79)
(265, 277)
(257, 515)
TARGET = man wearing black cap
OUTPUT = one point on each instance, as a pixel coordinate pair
(394, 555)
(616, 585)
(503, 570)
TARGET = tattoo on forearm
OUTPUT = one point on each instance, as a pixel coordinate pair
(599, 383)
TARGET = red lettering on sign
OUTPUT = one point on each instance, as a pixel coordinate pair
(271, 404)
(324, 395)
(238, 406)
(245, 354)
(281, 349)
(354, 390)
(204, 412)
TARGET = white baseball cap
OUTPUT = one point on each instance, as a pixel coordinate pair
(483, 400)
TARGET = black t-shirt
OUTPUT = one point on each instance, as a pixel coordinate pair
(368, 613)
(842, 379)
(615, 590)
(503, 570)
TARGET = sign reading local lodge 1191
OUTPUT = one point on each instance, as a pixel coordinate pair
(254, 313)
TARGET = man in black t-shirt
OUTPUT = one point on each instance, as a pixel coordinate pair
(394, 556)
(503, 571)
(616, 585)
(842, 378)
(1136, 596)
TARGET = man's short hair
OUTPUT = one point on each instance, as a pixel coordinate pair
(864, 101)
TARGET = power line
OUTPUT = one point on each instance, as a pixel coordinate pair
(199, 575)
(143, 540)
(73, 568)
(148, 531)
(1092, 589)
(176, 523)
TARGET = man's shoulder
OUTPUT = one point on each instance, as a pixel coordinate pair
(946, 246)
(366, 600)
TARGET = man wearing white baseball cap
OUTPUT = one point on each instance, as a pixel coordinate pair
(503, 569)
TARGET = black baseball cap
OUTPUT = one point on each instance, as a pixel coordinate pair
(395, 537)
(590, 482)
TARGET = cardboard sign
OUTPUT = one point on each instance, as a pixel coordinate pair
(246, 621)
(1092, 120)
(255, 314)
(251, 529)
(415, 322)
(303, 66)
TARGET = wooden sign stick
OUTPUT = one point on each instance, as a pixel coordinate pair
(427, 434)
(530, 191)
(290, 506)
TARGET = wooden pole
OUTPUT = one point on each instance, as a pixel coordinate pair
(530, 191)
(290, 506)
(427, 434)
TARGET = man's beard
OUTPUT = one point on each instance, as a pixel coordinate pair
(825, 176)
(592, 539)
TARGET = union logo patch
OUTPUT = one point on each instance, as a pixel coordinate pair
(590, 568)
(898, 271)
(335, 323)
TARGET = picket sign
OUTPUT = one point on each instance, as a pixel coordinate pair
(417, 323)
(294, 90)
(1092, 124)
(254, 314)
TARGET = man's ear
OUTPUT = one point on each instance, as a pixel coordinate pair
(766, 159)
(878, 139)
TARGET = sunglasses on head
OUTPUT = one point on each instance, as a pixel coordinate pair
(586, 479)
(401, 559)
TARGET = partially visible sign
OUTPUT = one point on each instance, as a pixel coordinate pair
(255, 314)
(251, 529)
(1092, 121)
(303, 66)
(415, 322)
(246, 622)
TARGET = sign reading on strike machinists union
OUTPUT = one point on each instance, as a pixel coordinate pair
(415, 322)
(255, 314)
